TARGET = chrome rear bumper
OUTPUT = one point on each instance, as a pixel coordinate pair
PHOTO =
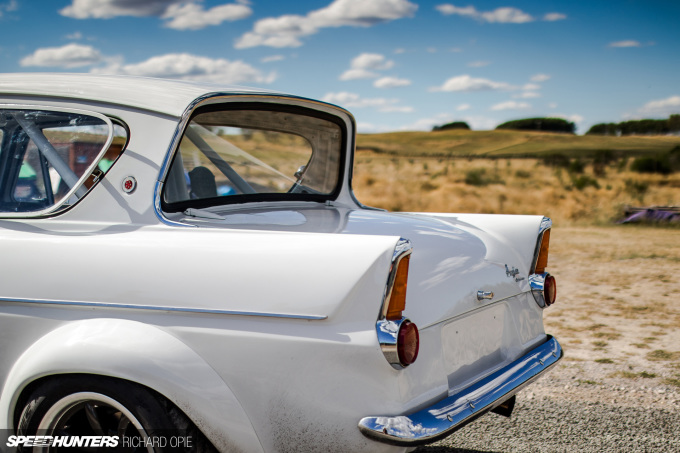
(452, 413)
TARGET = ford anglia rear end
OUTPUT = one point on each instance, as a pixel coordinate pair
(189, 257)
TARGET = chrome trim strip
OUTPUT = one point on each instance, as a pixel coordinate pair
(203, 311)
(452, 413)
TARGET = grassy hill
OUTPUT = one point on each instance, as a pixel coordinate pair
(503, 143)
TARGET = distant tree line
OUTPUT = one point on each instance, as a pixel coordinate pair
(540, 124)
(638, 127)
(450, 126)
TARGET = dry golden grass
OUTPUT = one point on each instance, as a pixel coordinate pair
(511, 186)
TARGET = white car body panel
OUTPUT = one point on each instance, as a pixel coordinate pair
(260, 324)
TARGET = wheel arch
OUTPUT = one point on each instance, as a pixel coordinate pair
(140, 353)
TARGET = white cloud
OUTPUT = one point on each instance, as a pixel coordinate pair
(371, 61)
(179, 14)
(539, 77)
(511, 105)
(552, 105)
(12, 5)
(354, 74)
(68, 56)
(365, 65)
(507, 15)
(272, 58)
(75, 36)
(662, 107)
(391, 82)
(531, 87)
(192, 16)
(552, 17)
(463, 107)
(467, 83)
(286, 30)
(399, 50)
(504, 15)
(628, 43)
(478, 64)
(353, 100)
(106, 9)
(527, 95)
(185, 66)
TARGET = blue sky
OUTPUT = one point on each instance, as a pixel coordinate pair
(396, 64)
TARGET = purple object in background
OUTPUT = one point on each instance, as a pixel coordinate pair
(660, 214)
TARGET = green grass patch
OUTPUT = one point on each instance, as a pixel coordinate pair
(660, 354)
(606, 361)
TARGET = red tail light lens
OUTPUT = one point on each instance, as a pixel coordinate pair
(408, 343)
(550, 290)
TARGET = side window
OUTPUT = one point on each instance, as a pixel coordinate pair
(51, 159)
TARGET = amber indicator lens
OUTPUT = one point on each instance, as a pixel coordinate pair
(408, 343)
(542, 261)
(550, 290)
(397, 302)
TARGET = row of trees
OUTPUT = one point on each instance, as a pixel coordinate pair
(540, 124)
(528, 124)
(451, 126)
(638, 127)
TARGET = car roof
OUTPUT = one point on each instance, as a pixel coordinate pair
(166, 96)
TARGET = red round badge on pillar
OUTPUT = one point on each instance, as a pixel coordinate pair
(129, 184)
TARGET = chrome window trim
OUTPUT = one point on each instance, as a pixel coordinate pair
(59, 206)
(184, 121)
(155, 308)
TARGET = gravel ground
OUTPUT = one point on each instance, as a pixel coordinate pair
(563, 413)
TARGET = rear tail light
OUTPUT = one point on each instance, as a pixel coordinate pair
(543, 285)
(549, 290)
(398, 337)
(408, 343)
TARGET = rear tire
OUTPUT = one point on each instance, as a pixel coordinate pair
(102, 406)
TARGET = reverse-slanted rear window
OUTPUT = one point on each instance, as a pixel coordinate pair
(251, 154)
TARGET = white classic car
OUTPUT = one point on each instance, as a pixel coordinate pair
(182, 256)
